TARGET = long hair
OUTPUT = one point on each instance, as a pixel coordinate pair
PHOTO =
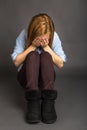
(39, 25)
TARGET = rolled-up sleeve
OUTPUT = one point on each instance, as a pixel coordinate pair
(19, 46)
(57, 47)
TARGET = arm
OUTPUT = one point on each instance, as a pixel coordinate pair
(58, 48)
(56, 59)
(21, 57)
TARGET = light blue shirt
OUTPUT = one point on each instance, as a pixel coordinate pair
(20, 46)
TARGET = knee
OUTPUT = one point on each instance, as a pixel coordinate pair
(32, 55)
(45, 55)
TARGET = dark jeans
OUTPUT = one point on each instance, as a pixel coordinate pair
(37, 71)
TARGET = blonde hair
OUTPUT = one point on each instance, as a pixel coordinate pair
(39, 25)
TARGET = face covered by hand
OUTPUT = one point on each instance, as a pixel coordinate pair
(42, 40)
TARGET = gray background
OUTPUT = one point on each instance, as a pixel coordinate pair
(70, 21)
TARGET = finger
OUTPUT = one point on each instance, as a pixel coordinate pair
(45, 42)
(36, 42)
(42, 43)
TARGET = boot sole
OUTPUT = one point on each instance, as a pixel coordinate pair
(32, 121)
(48, 121)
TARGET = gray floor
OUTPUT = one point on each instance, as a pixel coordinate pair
(71, 104)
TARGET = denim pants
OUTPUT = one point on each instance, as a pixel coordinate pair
(37, 71)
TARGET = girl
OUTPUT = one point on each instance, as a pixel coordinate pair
(34, 55)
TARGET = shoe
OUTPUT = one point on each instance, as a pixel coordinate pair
(48, 111)
(33, 113)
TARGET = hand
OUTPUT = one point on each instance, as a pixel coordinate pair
(36, 42)
(44, 41)
(41, 41)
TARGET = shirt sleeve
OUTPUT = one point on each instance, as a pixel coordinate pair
(57, 47)
(20, 44)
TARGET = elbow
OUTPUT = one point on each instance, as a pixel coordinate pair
(61, 64)
(16, 63)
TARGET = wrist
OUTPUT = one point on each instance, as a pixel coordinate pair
(33, 47)
(46, 47)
